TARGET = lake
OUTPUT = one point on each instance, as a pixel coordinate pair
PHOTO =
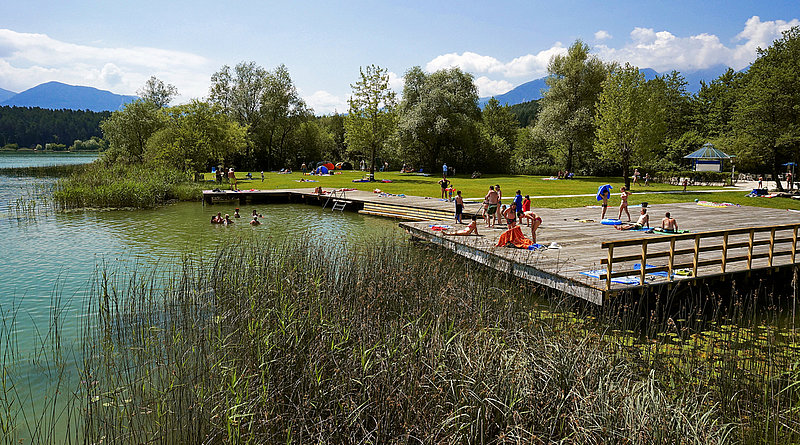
(50, 258)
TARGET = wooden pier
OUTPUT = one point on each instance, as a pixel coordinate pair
(585, 258)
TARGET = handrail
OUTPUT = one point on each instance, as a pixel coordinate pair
(696, 249)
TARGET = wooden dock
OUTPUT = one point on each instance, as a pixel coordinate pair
(585, 258)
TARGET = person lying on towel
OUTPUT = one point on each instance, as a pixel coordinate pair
(643, 221)
(471, 229)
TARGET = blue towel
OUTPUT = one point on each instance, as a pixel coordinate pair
(620, 280)
(602, 190)
(638, 266)
(536, 246)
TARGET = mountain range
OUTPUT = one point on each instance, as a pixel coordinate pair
(57, 95)
(533, 90)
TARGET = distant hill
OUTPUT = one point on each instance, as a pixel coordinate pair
(5, 94)
(57, 95)
(532, 90)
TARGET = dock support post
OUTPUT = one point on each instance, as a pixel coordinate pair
(794, 245)
(696, 255)
(643, 270)
(671, 263)
(750, 250)
(724, 251)
(610, 263)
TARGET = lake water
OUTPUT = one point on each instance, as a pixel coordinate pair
(49, 259)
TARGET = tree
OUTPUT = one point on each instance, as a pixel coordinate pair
(498, 129)
(713, 105)
(629, 120)
(157, 92)
(567, 108)
(371, 119)
(198, 135)
(767, 113)
(438, 119)
(127, 130)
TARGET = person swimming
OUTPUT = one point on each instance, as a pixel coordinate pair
(217, 219)
(255, 221)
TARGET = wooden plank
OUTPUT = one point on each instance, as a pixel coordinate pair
(723, 261)
(610, 264)
(696, 254)
(771, 245)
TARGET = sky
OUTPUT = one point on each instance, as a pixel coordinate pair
(117, 45)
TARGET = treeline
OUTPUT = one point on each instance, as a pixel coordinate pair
(595, 118)
(25, 127)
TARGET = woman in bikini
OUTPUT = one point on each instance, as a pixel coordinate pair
(511, 215)
(623, 195)
(471, 229)
(536, 221)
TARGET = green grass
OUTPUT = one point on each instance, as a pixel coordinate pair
(528, 185)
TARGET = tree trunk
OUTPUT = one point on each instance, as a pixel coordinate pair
(570, 151)
(372, 164)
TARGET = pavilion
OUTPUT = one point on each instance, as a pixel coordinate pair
(708, 158)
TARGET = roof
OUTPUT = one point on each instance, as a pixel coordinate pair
(708, 151)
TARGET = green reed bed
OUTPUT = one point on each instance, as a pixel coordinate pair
(119, 186)
(275, 343)
(43, 171)
(397, 343)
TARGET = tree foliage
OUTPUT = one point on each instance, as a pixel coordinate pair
(127, 130)
(568, 107)
(28, 127)
(158, 92)
(371, 119)
(629, 119)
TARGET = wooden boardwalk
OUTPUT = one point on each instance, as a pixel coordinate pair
(720, 241)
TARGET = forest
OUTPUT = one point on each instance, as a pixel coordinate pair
(24, 127)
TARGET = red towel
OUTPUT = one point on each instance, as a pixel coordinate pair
(515, 237)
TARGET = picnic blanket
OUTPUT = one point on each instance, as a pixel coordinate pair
(515, 237)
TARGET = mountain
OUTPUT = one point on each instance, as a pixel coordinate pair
(57, 95)
(533, 90)
(5, 94)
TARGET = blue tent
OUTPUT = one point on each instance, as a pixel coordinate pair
(322, 170)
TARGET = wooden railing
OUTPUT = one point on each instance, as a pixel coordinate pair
(689, 244)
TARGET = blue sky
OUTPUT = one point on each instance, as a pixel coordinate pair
(117, 45)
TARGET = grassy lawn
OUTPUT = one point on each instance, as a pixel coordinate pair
(530, 185)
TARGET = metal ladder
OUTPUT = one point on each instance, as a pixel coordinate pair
(339, 203)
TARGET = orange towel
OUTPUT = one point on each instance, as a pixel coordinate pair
(515, 237)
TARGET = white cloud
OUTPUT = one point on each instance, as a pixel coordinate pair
(28, 59)
(664, 51)
(396, 82)
(324, 102)
(529, 65)
(488, 87)
(602, 35)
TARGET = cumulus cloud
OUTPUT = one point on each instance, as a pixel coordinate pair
(523, 66)
(324, 102)
(662, 50)
(602, 35)
(488, 87)
(28, 59)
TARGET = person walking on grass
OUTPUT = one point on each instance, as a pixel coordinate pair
(444, 170)
(623, 205)
(459, 207)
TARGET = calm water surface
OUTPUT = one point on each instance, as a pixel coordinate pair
(49, 259)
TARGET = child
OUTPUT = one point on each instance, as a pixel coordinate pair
(526, 207)
(459, 206)
(511, 215)
(623, 205)
(518, 203)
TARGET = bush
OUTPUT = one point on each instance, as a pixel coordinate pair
(124, 185)
(695, 178)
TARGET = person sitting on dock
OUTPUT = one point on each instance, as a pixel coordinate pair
(535, 221)
(318, 191)
(668, 224)
(510, 215)
(643, 221)
(255, 221)
(471, 229)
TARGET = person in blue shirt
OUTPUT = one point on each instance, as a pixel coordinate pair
(518, 204)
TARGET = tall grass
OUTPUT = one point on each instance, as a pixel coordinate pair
(123, 185)
(390, 343)
(274, 343)
(43, 171)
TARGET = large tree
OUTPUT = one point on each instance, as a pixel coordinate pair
(498, 129)
(767, 115)
(567, 109)
(371, 119)
(127, 130)
(630, 122)
(438, 118)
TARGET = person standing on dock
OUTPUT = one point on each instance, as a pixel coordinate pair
(535, 221)
(518, 204)
(498, 215)
(623, 205)
(459, 207)
(490, 206)
(603, 193)
(526, 207)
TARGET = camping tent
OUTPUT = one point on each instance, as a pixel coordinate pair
(708, 158)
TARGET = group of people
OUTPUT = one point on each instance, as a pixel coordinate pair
(226, 220)
(494, 212)
(668, 224)
(637, 175)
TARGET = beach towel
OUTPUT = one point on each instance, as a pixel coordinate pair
(669, 232)
(716, 204)
(602, 190)
(536, 246)
(620, 280)
(638, 266)
(439, 227)
(514, 236)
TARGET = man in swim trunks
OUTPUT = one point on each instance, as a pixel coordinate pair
(623, 195)
(444, 183)
(497, 214)
(535, 220)
(643, 221)
(490, 206)
(668, 224)
(604, 196)
(471, 229)
(459, 206)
